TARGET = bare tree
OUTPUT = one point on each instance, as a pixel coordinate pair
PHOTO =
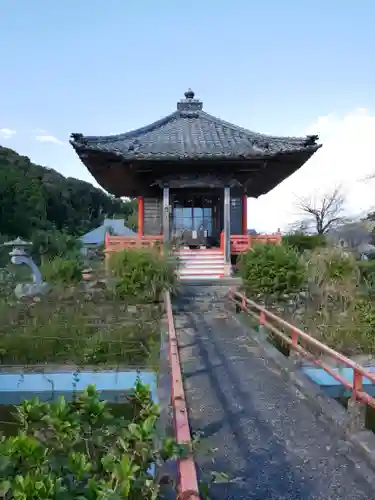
(324, 213)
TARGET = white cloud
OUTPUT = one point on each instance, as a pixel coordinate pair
(345, 159)
(7, 133)
(48, 138)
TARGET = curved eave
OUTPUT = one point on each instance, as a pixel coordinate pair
(281, 168)
(124, 178)
(83, 149)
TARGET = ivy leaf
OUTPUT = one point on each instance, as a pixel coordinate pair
(4, 488)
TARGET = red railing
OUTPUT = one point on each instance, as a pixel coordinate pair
(293, 336)
(187, 474)
(240, 243)
(117, 243)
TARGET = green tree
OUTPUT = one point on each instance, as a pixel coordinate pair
(272, 271)
(302, 242)
(35, 199)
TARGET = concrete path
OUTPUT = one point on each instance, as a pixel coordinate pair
(266, 437)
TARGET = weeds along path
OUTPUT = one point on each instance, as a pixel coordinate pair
(255, 427)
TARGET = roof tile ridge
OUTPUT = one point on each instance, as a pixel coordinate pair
(251, 133)
(132, 134)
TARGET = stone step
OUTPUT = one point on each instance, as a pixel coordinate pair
(208, 277)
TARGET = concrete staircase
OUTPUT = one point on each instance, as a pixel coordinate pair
(201, 264)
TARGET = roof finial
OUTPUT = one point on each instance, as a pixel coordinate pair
(189, 94)
(189, 104)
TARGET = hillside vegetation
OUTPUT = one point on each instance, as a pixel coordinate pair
(40, 205)
(34, 197)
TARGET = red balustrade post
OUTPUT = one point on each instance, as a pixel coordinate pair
(356, 409)
(357, 383)
(243, 302)
(262, 321)
(295, 339)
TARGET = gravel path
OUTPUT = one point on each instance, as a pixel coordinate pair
(265, 435)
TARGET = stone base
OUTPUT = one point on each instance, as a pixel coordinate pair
(31, 289)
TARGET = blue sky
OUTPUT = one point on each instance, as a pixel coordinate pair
(280, 67)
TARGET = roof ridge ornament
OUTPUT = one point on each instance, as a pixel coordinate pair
(189, 104)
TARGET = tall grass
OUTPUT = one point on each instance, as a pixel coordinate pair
(141, 274)
(336, 309)
(69, 327)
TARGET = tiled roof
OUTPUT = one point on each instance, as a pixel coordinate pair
(190, 132)
(96, 236)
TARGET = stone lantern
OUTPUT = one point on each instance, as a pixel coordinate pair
(19, 254)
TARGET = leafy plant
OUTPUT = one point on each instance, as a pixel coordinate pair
(67, 326)
(81, 450)
(337, 311)
(367, 270)
(333, 275)
(141, 274)
(272, 271)
(302, 242)
(49, 244)
(62, 271)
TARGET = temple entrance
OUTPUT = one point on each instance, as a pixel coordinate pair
(196, 217)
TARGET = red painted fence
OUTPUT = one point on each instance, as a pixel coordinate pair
(240, 243)
(187, 475)
(116, 243)
(301, 342)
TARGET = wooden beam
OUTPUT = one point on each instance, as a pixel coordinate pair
(140, 216)
(244, 214)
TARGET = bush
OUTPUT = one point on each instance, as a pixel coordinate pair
(367, 270)
(4, 251)
(333, 275)
(302, 242)
(62, 271)
(338, 313)
(349, 331)
(53, 243)
(272, 271)
(81, 449)
(141, 274)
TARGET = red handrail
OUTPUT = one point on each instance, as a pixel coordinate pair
(293, 339)
(187, 474)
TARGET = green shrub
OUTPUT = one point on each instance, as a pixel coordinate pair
(302, 242)
(349, 331)
(4, 251)
(333, 275)
(53, 243)
(141, 274)
(367, 270)
(272, 271)
(82, 449)
(62, 271)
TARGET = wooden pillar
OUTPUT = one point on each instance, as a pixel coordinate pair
(107, 255)
(140, 216)
(227, 226)
(244, 214)
(166, 211)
